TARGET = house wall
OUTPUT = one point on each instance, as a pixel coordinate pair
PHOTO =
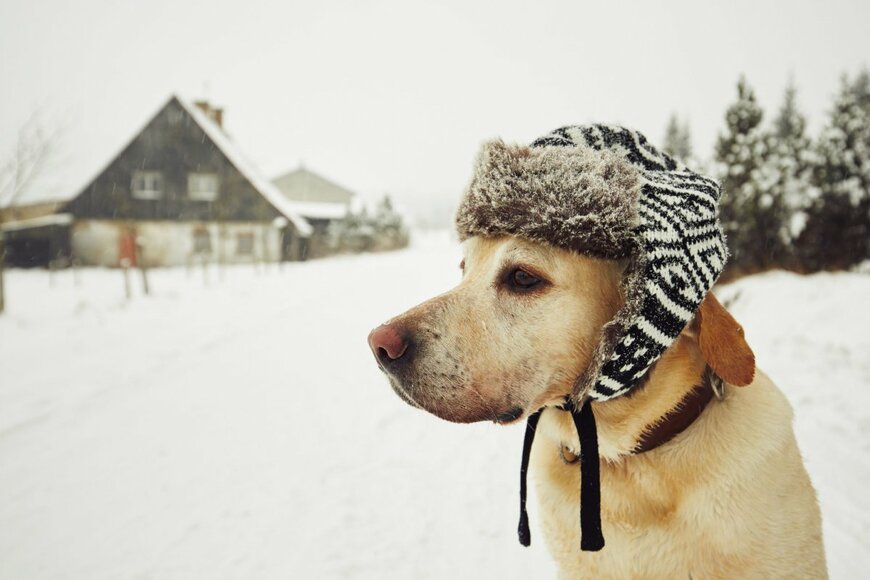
(171, 243)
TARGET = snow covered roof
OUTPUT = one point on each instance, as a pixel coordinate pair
(302, 184)
(56, 219)
(266, 188)
(320, 209)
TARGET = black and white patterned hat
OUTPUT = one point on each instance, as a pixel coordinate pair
(604, 191)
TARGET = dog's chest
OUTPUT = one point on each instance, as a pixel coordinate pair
(648, 520)
(695, 508)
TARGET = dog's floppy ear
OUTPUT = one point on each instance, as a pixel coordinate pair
(722, 343)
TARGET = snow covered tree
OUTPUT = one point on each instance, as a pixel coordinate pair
(385, 216)
(365, 231)
(861, 89)
(678, 141)
(837, 234)
(389, 226)
(788, 166)
(750, 223)
(356, 232)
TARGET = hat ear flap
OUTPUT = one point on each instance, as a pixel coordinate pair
(722, 343)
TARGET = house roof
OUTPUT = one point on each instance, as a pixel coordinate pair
(60, 180)
(266, 188)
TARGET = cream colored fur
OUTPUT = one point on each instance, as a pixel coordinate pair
(727, 498)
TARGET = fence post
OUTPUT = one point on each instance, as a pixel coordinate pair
(144, 272)
(125, 268)
(142, 268)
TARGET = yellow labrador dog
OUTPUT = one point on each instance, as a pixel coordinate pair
(724, 496)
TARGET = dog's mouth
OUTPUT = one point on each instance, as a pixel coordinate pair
(510, 416)
(456, 413)
(397, 388)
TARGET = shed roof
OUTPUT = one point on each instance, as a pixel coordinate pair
(302, 184)
(56, 219)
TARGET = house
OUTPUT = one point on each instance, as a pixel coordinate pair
(320, 201)
(179, 192)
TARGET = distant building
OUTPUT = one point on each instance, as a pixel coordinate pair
(179, 192)
(320, 201)
(305, 185)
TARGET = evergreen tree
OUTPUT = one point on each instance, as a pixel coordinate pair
(385, 216)
(360, 231)
(861, 90)
(788, 169)
(678, 142)
(838, 227)
(389, 226)
(747, 217)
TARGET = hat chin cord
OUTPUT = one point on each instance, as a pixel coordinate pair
(591, 538)
(671, 424)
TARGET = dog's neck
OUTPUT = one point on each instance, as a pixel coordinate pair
(623, 421)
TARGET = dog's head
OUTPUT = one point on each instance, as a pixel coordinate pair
(519, 329)
(511, 337)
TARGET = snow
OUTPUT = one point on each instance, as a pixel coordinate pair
(809, 334)
(240, 428)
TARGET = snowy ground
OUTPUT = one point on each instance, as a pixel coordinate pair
(240, 429)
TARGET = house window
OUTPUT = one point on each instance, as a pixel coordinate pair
(245, 244)
(202, 186)
(147, 185)
(201, 241)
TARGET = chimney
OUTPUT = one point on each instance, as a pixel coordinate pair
(214, 113)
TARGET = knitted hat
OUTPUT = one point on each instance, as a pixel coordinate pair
(605, 192)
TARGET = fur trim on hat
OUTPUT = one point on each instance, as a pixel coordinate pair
(577, 199)
(604, 191)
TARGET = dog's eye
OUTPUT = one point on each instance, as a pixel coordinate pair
(462, 265)
(522, 280)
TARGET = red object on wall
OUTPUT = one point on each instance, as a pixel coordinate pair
(127, 248)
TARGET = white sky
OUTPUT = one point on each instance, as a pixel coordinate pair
(396, 96)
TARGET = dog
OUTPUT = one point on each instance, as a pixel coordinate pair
(726, 496)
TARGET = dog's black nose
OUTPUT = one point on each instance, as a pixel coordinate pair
(388, 343)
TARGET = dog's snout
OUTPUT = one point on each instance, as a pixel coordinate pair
(388, 343)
